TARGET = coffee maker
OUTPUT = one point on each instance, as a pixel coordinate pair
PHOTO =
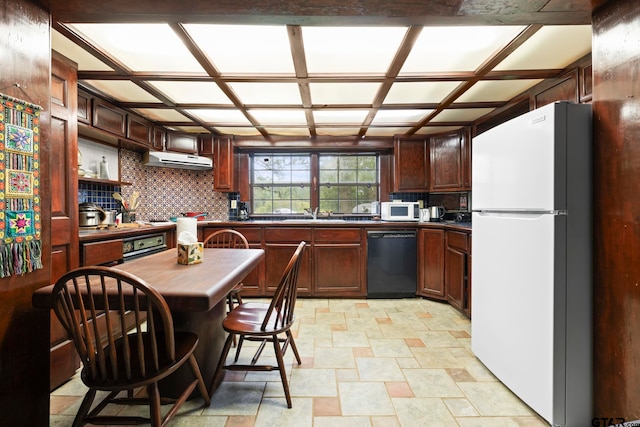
(243, 211)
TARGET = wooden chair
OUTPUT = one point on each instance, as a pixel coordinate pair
(116, 360)
(264, 322)
(234, 240)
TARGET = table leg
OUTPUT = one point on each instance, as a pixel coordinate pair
(208, 326)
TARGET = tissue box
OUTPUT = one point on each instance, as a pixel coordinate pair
(190, 253)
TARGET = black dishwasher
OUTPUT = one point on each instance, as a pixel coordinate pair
(391, 264)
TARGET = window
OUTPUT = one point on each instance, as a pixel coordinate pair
(285, 183)
(348, 182)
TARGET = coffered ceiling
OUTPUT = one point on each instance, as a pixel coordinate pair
(283, 77)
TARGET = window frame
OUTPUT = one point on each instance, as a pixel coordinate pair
(314, 189)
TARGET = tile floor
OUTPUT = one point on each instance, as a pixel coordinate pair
(403, 362)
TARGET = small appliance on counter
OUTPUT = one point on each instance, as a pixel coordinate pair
(243, 211)
(400, 211)
(436, 213)
(90, 215)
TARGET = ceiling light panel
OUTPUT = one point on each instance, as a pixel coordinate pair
(220, 116)
(353, 117)
(399, 116)
(456, 48)
(461, 115)
(338, 131)
(553, 46)
(387, 131)
(240, 131)
(343, 93)
(190, 129)
(351, 49)
(246, 49)
(85, 61)
(430, 130)
(122, 90)
(162, 115)
(302, 131)
(419, 92)
(279, 116)
(192, 92)
(267, 93)
(142, 47)
(496, 90)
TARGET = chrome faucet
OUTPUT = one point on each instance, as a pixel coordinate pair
(313, 214)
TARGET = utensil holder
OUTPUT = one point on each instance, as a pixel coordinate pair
(128, 217)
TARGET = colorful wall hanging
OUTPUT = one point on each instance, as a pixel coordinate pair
(20, 213)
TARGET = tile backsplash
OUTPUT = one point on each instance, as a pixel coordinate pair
(164, 192)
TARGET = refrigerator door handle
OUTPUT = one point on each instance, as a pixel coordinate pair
(518, 212)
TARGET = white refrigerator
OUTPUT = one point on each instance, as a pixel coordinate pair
(532, 259)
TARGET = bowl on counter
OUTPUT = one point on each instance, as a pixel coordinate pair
(197, 215)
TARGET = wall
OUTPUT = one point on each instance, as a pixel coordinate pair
(168, 192)
(25, 58)
(616, 121)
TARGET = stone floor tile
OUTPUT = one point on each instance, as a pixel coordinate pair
(460, 407)
(313, 382)
(432, 383)
(350, 339)
(417, 411)
(275, 412)
(328, 357)
(341, 422)
(364, 398)
(389, 347)
(379, 369)
(494, 399)
(326, 406)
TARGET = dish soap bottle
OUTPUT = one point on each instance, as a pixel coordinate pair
(104, 168)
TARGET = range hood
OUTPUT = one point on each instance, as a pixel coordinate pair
(167, 159)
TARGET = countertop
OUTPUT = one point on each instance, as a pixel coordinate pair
(87, 235)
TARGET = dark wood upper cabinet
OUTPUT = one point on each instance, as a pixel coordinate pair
(181, 142)
(159, 136)
(447, 163)
(411, 164)
(205, 145)
(139, 129)
(84, 107)
(109, 118)
(224, 178)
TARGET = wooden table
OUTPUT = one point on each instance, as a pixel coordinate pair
(196, 295)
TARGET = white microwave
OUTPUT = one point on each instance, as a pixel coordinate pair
(400, 211)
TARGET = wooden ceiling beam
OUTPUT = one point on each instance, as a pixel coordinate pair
(300, 66)
(328, 12)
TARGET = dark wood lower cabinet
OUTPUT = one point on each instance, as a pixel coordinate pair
(456, 270)
(338, 262)
(338, 270)
(431, 265)
(277, 256)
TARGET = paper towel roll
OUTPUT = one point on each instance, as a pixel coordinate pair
(187, 224)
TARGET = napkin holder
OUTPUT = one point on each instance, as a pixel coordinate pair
(191, 253)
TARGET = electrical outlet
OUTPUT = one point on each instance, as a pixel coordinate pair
(234, 204)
